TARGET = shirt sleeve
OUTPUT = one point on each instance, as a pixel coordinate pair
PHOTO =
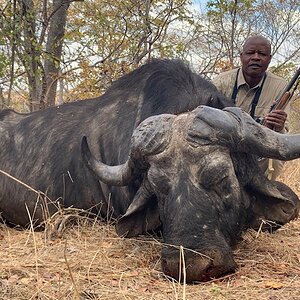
(224, 83)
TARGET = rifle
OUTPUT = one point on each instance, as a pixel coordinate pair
(284, 98)
(280, 103)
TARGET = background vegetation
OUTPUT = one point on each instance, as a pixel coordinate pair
(63, 50)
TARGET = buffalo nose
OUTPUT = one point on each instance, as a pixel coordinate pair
(191, 265)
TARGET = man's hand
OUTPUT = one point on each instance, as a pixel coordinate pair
(275, 120)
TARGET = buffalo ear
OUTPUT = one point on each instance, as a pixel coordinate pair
(141, 216)
(271, 201)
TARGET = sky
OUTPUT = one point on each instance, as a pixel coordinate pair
(199, 4)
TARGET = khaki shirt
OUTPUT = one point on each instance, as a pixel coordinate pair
(271, 89)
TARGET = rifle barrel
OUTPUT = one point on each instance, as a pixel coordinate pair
(293, 80)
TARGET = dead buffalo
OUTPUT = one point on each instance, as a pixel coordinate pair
(200, 182)
(42, 149)
(193, 175)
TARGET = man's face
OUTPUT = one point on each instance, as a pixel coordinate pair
(255, 57)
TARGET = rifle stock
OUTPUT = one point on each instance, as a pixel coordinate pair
(282, 101)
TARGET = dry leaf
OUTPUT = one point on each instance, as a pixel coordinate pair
(25, 280)
(144, 289)
(273, 285)
(13, 279)
(106, 245)
(273, 298)
(72, 249)
(115, 282)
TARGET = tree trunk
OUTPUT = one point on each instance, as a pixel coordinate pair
(3, 102)
(30, 44)
(54, 49)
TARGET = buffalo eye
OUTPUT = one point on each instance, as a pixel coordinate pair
(160, 182)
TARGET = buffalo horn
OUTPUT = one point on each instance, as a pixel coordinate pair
(120, 175)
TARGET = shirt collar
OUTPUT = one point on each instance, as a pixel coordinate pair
(241, 80)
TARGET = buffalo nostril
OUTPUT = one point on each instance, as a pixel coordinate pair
(196, 266)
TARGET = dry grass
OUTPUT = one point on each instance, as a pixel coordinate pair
(294, 116)
(91, 262)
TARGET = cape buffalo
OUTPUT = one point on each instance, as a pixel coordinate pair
(201, 183)
(194, 175)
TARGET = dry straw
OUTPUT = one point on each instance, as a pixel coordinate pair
(85, 259)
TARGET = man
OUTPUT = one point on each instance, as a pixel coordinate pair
(254, 89)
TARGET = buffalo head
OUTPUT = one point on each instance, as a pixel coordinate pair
(199, 182)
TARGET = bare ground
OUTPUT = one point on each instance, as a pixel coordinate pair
(91, 262)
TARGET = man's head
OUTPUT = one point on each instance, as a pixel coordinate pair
(255, 56)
